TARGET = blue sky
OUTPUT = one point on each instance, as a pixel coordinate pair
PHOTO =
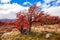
(21, 2)
(9, 8)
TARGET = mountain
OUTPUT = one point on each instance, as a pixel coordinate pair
(7, 20)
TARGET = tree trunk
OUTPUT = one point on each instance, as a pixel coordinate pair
(30, 24)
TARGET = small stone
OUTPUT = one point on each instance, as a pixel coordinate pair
(48, 35)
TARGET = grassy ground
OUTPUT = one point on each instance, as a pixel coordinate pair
(38, 36)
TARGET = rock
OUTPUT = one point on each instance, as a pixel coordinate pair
(48, 35)
(10, 35)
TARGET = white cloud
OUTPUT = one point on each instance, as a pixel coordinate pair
(54, 2)
(45, 5)
(48, 1)
(58, 1)
(8, 16)
(5, 1)
(9, 10)
(54, 11)
(25, 3)
(38, 4)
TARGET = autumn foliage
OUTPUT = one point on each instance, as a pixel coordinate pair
(34, 16)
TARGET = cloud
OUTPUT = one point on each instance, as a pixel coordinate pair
(7, 8)
(52, 2)
(5, 1)
(9, 11)
(54, 11)
(38, 4)
(48, 1)
(58, 1)
(45, 5)
(8, 16)
(25, 3)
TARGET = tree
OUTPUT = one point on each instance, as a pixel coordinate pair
(31, 15)
(22, 22)
(35, 15)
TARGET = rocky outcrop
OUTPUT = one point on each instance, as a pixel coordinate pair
(10, 35)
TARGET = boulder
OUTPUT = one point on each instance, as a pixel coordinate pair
(10, 35)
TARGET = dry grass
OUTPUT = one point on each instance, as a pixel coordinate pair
(39, 34)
